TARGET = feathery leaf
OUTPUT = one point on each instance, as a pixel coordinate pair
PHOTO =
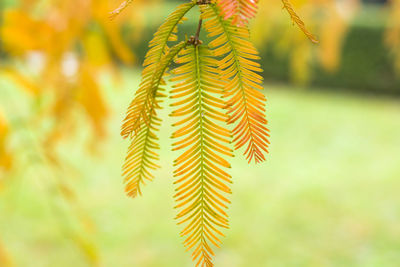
(202, 183)
(239, 10)
(246, 104)
(296, 19)
(119, 9)
(142, 159)
(139, 109)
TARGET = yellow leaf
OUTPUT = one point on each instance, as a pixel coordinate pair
(202, 183)
(5, 258)
(5, 156)
(296, 19)
(21, 80)
(89, 95)
(96, 50)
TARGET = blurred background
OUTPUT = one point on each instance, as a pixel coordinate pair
(328, 194)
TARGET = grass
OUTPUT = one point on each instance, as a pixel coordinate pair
(327, 196)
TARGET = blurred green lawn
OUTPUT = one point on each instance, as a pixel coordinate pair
(329, 194)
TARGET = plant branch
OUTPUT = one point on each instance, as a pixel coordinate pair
(198, 29)
(195, 39)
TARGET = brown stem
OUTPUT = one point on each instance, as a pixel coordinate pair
(194, 40)
(198, 30)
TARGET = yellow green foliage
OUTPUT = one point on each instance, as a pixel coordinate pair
(215, 85)
(138, 111)
(246, 105)
(142, 158)
(202, 180)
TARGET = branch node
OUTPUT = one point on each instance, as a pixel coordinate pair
(203, 2)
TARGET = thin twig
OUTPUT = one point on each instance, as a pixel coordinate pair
(194, 40)
(118, 10)
(296, 19)
(198, 29)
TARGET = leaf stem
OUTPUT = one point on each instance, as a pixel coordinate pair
(198, 29)
(194, 40)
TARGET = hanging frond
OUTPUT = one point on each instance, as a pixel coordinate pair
(296, 19)
(139, 108)
(245, 103)
(119, 9)
(239, 10)
(202, 183)
(142, 159)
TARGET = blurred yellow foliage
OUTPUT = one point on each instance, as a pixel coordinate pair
(89, 250)
(66, 44)
(55, 52)
(5, 156)
(328, 19)
(91, 99)
(21, 33)
(393, 33)
(21, 80)
(5, 259)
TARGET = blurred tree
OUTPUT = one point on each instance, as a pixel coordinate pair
(54, 52)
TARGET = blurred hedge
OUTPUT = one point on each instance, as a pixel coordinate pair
(366, 64)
